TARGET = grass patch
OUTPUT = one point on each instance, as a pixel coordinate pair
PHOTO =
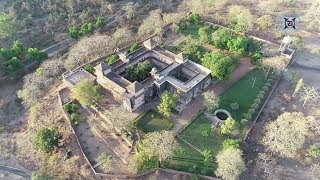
(151, 120)
(2, 130)
(243, 93)
(188, 159)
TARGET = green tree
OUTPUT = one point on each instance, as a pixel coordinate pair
(111, 59)
(221, 37)
(85, 92)
(314, 151)
(256, 59)
(194, 51)
(47, 139)
(75, 32)
(134, 47)
(228, 126)
(143, 161)
(89, 68)
(106, 161)
(238, 45)
(230, 164)
(35, 54)
(231, 143)
(204, 34)
(40, 72)
(286, 135)
(8, 25)
(87, 29)
(13, 64)
(18, 48)
(221, 67)
(100, 22)
(168, 102)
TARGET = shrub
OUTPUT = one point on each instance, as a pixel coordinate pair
(70, 107)
(248, 116)
(255, 106)
(268, 84)
(256, 58)
(195, 18)
(262, 93)
(111, 59)
(75, 117)
(260, 96)
(87, 28)
(134, 47)
(234, 106)
(251, 111)
(244, 122)
(35, 54)
(89, 68)
(313, 151)
(228, 126)
(206, 133)
(257, 101)
(47, 139)
(265, 88)
(231, 143)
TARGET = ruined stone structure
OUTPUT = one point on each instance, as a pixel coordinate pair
(170, 72)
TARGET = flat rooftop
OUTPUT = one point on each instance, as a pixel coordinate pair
(79, 75)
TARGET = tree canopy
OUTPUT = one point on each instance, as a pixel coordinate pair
(168, 101)
(211, 100)
(86, 92)
(230, 164)
(119, 117)
(8, 25)
(221, 37)
(47, 139)
(241, 18)
(286, 135)
(221, 67)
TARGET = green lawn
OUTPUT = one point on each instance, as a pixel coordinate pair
(191, 160)
(193, 30)
(152, 121)
(243, 93)
(188, 159)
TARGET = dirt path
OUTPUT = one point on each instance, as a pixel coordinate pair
(196, 105)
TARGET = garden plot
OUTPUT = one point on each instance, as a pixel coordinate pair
(202, 136)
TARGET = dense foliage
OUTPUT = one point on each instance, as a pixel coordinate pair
(89, 68)
(168, 102)
(111, 59)
(194, 51)
(221, 67)
(87, 92)
(47, 139)
(139, 73)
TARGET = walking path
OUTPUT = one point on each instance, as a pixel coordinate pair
(15, 171)
(196, 104)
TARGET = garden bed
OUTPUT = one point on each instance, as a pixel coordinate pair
(151, 120)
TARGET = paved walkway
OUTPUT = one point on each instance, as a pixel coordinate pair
(196, 105)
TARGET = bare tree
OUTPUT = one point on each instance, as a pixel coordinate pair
(203, 7)
(277, 63)
(153, 24)
(230, 164)
(119, 117)
(266, 165)
(161, 143)
(286, 135)
(89, 48)
(309, 95)
(211, 100)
